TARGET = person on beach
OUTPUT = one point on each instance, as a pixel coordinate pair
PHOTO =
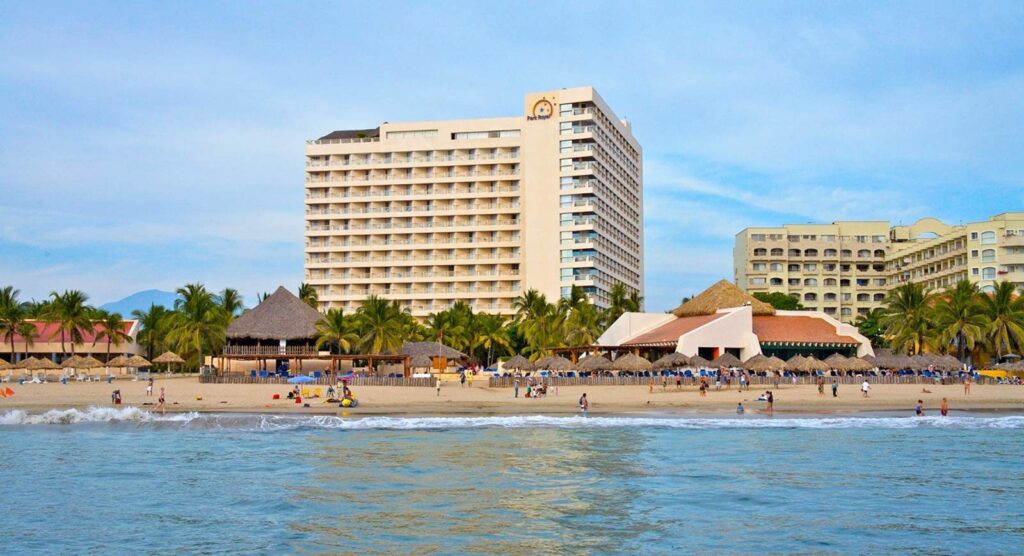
(703, 388)
(967, 384)
(944, 408)
(718, 380)
(650, 385)
(770, 399)
(664, 382)
(515, 387)
(739, 408)
(864, 387)
(835, 387)
(149, 388)
(919, 408)
(584, 404)
(462, 379)
(821, 387)
(743, 380)
(469, 379)
(679, 381)
(160, 402)
(438, 386)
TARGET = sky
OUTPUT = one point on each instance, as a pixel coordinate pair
(146, 145)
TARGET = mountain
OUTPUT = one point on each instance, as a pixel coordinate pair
(140, 300)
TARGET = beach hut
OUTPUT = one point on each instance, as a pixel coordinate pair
(280, 330)
(949, 363)
(168, 358)
(728, 361)
(674, 360)
(631, 362)
(421, 362)
(722, 294)
(859, 364)
(698, 362)
(37, 364)
(439, 354)
(594, 363)
(518, 363)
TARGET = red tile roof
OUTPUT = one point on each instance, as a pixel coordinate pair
(798, 329)
(671, 331)
(49, 332)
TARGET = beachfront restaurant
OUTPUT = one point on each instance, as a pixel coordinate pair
(45, 342)
(724, 319)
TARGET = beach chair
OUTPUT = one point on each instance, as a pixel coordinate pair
(317, 375)
(252, 373)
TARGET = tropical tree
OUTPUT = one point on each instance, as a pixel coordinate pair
(230, 302)
(1004, 311)
(110, 330)
(72, 314)
(307, 294)
(906, 319)
(453, 326)
(491, 334)
(958, 319)
(870, 326)
(12, 315)
(29, 334)
(583, 325)
(334, 330)
(780, 301)
(380, 325)
(198, 323)
(153, 327)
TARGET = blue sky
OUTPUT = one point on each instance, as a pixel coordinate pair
(145, 145)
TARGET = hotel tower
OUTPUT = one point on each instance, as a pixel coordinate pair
(430, 213)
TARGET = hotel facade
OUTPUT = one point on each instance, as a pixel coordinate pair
(431, 213)
(845, 269)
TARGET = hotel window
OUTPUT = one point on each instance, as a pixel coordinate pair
(777, 252)
(879, 281)
(794, 252)
(756, 237)
(776, 267)
(974, 271)
(811, 282)
(862, 297)
(810, 267)
(988, 273)
(758, 267)
(412, 134)
(566, 164)
(760, 252)
(757, 281)
(810, 297)
(879, 297)
(846, 311)
(862, 281)
(828, 238)
(565, 146)
(847, 253)
(776, 281)
(829, 267)
(830, 297)
(565, 109)
(974, 236)
(974, 253)
(830, 281)
(988, 255)
(831, 252)
(830, 310)
(794, 281)
(847, 296)
(794, 268)
(863, 253)
(811, 253)
(879, 253)
(844, 284)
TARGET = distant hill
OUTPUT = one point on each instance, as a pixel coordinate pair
(140, 300)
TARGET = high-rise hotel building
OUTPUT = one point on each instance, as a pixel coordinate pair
(430, 213)
(846, 268)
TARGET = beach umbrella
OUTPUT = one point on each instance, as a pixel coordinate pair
(698, 362)
(594, 363)
(71, 362)
(421, 362)
(554, 363)
(950, 363)
(37, 364)
(674, 360)
(518, 363)
(630, 362)
(810, 364)
(301, 379)
(793, 363)
(761, 363)
(90, 362)
(119, 361)
(858, 364)
(4, 365)
(138, 361)
(169, 357)
(838, 362)
(727, 360)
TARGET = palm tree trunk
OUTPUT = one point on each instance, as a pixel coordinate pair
(63, 348)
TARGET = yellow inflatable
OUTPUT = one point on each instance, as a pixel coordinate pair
(346, 402)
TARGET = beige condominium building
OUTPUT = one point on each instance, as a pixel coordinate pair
(845, 269)
(430, 213)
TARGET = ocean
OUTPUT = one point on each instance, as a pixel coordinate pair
(123, 481)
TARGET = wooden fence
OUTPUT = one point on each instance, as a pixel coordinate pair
(507, 382)
(239, 378)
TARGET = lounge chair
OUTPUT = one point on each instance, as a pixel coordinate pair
(263, 373)
(317, 375)
(252, 373)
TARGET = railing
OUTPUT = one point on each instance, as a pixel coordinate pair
(324, 380)
(337, 141)
(270, 351)
(753, 380)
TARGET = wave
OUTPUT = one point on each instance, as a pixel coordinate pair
(269, 423)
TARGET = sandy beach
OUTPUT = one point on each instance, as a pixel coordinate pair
(184, 393)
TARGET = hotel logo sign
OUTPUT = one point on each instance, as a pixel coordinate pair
(542, 110)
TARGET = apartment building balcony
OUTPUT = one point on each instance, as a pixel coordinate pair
(472, 192)
(411, 179)
(410, 161)
(377, 212)
(498, 225)
(1012, 240)
(1012, 258)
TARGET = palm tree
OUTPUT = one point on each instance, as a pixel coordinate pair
(111, 330)
(380, 325)
(583, 325)
(622, 300)
(153, 326)
(453, 326)
(230, 302)
(334, 330)
(906, 320)
(870, 326)
(198, 322)
(1004, 310)
(29, 333)
(308, 294)
(12, 314)
(72, 315)
(491, 334)
(958, 319)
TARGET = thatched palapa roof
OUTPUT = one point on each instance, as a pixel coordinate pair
(282, 316)
(518, 363)
(760, 362)
(630, 362)
(674, 360)
(727, 360)
(119, 361)
(169, 357)
(594, 363)
(37, 364)
(421, 362)
(838, 362)
(698, 362)
(89, 363)
(431, 349)
(138, 361)
(71, 362)
(554, 364)
(721, 295)
(4, 365)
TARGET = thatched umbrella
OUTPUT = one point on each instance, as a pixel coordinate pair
(698, 362)
(859, 364)
(138, 361)
(630, 362)
(168, 357)
(594, 363)
(949, 363)
(919, 362)
(4, 365)
(793, 363)
(518, 363)
(554, 363)
(674, 360)
(421, 362)
(727, 360)
(37, 364)
(810, 364)
(90, 362)
(761, 363)
(119, 361)
(838, 362)
(71, 362)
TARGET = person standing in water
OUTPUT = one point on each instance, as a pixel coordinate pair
(584, 404)
(944, 407)
(770, 398)
(919, 408)
(739, 408)
(161, 401)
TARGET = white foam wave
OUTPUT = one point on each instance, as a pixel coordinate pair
(271, 423)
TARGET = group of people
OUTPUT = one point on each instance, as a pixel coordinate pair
(537, 389)
(115, 397)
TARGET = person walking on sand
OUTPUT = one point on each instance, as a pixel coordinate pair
(967, 384)
(679, 380)
(664, 382)
(584, 404)
(515, 387)
(438, 386)
(864, 387)
(703, 388)
(770, 399)
(149, 388)
(462, 379)
(743, 380)
(944, 408)
(821, 387)
(650, 385)
(469, 379)
(835, 387)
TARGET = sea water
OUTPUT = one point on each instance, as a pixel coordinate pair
(106, 481)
